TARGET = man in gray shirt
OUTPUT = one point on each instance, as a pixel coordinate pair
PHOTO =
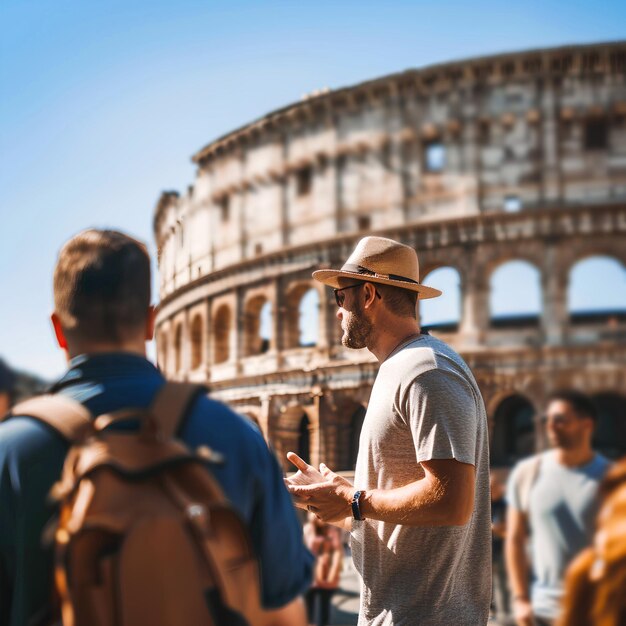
(419, 509)
(553, 497)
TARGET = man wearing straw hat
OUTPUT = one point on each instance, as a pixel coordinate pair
(418, 511)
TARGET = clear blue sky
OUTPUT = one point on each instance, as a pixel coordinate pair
(103, 103)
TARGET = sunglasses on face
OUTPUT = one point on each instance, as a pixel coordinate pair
(558, 420)
(340, 296)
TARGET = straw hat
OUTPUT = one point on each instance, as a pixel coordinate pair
(380, 260)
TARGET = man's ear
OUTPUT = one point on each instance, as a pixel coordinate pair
(58, 331)
(150, 323)
(370, 295)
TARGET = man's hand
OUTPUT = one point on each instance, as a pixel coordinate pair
(523, 612)
(324, 493)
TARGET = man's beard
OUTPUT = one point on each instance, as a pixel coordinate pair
(358, 329)
(565, 441)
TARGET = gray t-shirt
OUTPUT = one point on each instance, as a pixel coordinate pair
(562, 506)
(425, 404)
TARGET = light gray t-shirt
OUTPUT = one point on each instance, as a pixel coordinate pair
(562, 506)
(425, 404)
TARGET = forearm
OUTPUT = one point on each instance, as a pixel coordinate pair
(517, 566)
(424, 502)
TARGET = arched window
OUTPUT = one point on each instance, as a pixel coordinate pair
(196, 342)
(178, 348)
(267, 330)
(221, 329)
(597, 291)
(304, 442)
(309, 311)
(257, 326)
(443, 313)
(514, 431)
(515, 298)
(302, 319)
(610, 432)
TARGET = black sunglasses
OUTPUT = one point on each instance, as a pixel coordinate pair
(340, 297)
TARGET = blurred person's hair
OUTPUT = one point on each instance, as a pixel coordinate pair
(582, 404)
(596, 579)
(102, 286)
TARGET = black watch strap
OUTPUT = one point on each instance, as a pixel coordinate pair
(356, 509)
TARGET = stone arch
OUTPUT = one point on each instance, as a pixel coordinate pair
(303, 326)
(222, 328)
(597, 290)
(303, 448)
(513, 430)
(610, 432)
(572, 255)
(178, 348)
(196, 332)
(515, 294)
(257, 330)
(443, 313)
(296, 428)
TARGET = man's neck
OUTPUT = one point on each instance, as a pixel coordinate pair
(575, 457)
(103, 348)
(392, 333)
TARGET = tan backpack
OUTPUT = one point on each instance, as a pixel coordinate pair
(145, 535)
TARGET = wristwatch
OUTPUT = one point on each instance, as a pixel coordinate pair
(356, 509)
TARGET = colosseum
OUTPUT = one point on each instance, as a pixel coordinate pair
(477, 164)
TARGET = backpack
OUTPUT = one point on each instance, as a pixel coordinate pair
(144, 533)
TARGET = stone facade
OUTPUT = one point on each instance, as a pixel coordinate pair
(514, 157)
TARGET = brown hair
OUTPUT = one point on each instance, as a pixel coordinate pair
(402, 302)
(102, 285)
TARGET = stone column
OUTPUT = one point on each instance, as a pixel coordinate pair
(185, 357)
(554, 316)
(239, 329)
(208, 344)
(332, 329)
(278, 316)
(549, 146)
(475, 307)
(264, 416)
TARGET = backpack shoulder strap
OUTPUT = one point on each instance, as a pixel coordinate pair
(526, 479)
(171, 403)
(67, 417)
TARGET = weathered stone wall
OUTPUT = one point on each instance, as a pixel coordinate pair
(516, 157)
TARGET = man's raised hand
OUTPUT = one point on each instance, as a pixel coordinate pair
(306, 474)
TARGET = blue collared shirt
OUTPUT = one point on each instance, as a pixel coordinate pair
(32, 455)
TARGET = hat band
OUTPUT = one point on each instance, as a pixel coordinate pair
(359, 269)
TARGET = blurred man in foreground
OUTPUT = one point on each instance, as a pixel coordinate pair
(552, 500)
(102, 319)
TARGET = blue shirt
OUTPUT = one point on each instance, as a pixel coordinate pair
(32, 456)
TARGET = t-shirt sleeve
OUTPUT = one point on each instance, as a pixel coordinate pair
(512, 489)
(286, 565)
(442, 413)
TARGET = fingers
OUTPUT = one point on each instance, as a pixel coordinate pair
(301, 464)
(324, 471)
(303, 491)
